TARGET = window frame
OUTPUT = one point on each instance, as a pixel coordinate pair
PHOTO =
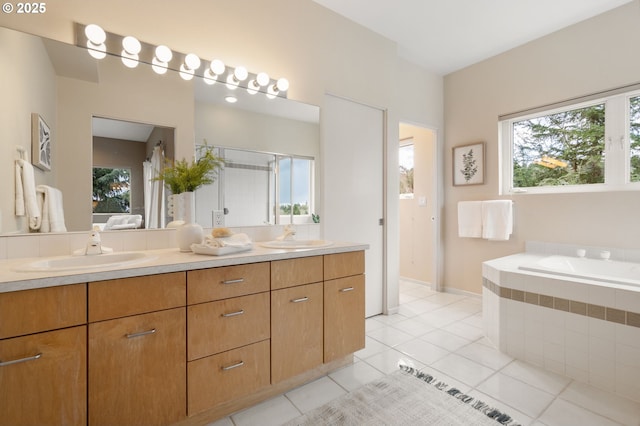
(617, 158)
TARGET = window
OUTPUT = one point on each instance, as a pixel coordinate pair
(405, 156)
(261, 188)
(111, 190)
(584, 146)
(294, 188)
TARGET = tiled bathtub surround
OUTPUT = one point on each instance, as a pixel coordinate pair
(580, 308)
(574, 327)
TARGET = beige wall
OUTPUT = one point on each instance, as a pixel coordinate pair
(27, 86)
(134, 95)
(594, 55)
(417, 257)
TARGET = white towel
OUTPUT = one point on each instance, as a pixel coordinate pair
(26, 199)
(497, 219)
(50, 201)
(470, 219)
(235, 240)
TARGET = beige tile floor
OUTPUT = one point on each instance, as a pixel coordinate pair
(441, 333)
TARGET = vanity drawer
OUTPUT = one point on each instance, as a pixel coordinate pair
(343, 264)
(227, 376)
(42, 309)
(293, 272)
(226, 324)
(130, 296)
(205, 285)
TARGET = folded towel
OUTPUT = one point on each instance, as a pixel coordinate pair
(50, 203)
(26, 199)
(123, 221)
(470, 219)
(235, 240)
(497, 219)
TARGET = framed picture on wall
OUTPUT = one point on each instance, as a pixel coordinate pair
(40, 142)
(468, 164)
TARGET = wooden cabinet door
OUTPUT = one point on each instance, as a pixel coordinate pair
(221, 378)
(219, 326)
(344, 327)
(296, 330)
(137, 369)
(43, 378)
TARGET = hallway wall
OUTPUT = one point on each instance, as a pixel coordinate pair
(416, 224)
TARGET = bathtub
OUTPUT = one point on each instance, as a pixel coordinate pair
(605, 271)
(579, 317)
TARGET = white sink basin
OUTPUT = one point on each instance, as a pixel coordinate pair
(296, 244)
(69, 263)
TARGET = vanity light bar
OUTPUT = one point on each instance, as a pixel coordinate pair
(99, 44)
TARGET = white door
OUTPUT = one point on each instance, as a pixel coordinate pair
(353, 171)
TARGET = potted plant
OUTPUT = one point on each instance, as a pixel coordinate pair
(183, 178)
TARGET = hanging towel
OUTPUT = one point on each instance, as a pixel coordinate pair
(470, 219)
(50, 202)
(497, 219)
(26, 199)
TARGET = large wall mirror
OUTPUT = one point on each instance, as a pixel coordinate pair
(69, 90)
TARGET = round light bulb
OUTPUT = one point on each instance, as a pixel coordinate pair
(283, 84)
(95, 34)
(217, 66)
(158, 66)
(209, 77)
(262, 79)
(185, 73)
(231, 99)
(192, 61)
(131, 45)
(129, 60)
(241, 73)
(98, 51)
(253, 87)
(163, 53)
(272, 92)
(232, 83)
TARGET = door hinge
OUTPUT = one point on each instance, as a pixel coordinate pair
(381, 221)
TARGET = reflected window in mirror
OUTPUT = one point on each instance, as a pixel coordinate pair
(111, 190)
(258, 188)
(295, 189)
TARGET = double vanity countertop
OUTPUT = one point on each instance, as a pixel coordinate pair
(12, 278)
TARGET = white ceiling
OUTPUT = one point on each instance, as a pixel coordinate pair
(118, 129)
(447, 35)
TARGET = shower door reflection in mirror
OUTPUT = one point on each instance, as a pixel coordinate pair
(258, 188)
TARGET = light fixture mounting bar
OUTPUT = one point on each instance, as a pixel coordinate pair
(113, 47)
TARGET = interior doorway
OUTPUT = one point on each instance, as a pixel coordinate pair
(418, 204)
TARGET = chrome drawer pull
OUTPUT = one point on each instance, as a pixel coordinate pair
(233, 314)
(344, 290)
(236, 281)
(17, 361)
(302, 299)
(231, 367)
(140, 334)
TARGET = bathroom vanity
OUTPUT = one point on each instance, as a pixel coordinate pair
(180, 339)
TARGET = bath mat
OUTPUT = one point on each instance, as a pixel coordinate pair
(406, 397)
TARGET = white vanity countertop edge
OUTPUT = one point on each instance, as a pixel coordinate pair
(162, 261)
